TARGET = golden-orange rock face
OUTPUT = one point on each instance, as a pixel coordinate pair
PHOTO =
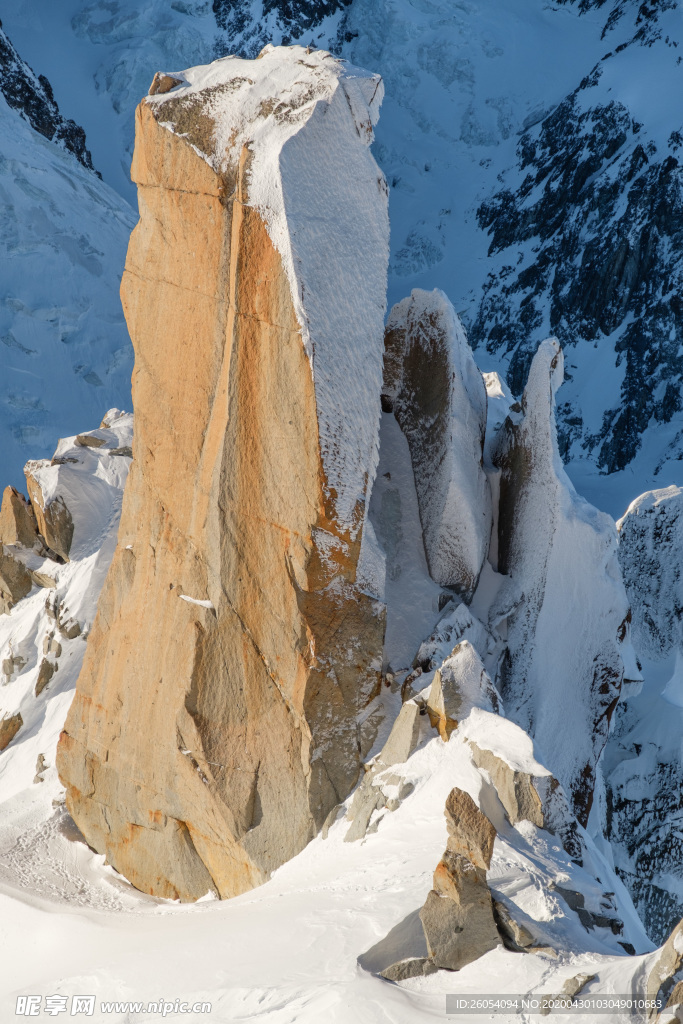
(215, 722)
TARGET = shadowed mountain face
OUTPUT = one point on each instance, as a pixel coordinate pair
(252, 24)
(64, 348)
(599, 211)
(31, 95)
(573, 209)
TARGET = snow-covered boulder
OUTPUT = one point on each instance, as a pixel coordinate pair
(71, 494)
(461, 684)
(436, 392)
(564, 606)
(525, 788)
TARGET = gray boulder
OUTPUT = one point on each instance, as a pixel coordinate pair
(9, 727)
(458, 917)
(15, 580)
(372, 792)
(412, 967)
(470, 833)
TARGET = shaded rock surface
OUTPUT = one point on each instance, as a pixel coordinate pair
(436, 392)
(526, 789)
(411, 967)
(516, 789)
(45, 674)
(457, 917)
(260, 651)
(643, 765)
(15, 580)
(32, 96)
(650, 542)
(515, 936)
(54, 518)
(563, 668)
(18, 524)
(379, 787)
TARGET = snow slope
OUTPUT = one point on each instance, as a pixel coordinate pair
(65, 354)
(307, 943)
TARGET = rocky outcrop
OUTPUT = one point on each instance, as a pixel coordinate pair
(45, 674)
(516, 937)
(411, 967)
(527, 790)
(9, 727)
(31, 95)
(379, 787)
(18, 524)
(72, 493)
(650, 543)
(666, 970)
(561, 676)
(433, 387)
(215, 722)
(15, 581)
(516, 790)
(570, 989)
(43, 639)
(54, 518)
(459, 685)
(457, 917)
(462, 918)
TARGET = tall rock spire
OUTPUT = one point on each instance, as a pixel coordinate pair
(217, 717)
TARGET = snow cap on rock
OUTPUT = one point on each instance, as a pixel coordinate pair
(301, 125)
(433, 386)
